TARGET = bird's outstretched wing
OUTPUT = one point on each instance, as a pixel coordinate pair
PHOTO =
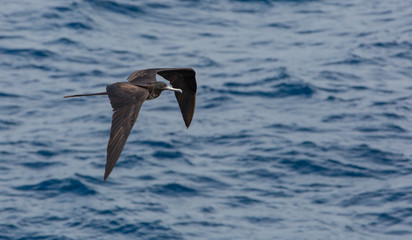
(182, 78)
(126, 100)
(142, 77)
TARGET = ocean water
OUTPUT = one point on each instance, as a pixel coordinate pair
(302, 128)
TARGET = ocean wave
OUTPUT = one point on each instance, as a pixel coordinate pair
(301, 126)
(56, 187)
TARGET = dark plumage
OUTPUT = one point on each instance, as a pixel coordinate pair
(127, 98)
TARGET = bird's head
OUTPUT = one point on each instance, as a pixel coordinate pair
(164, 86)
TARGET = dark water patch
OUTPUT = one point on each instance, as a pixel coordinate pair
(355, 60)
(264, 174)
(39, 165)
(136, 230)
(306, 11)
(241, 201)
(42, 67)
(311, 31)
(147, 230)
(174, 190)
(383, 128)
(84, 60)
(261, 43)
(157, 144)
(308, 144)
(395, 101)
(63, 9)
(7, 228)
(261, 149)
(359, 157)
(366, 152)
(376, 198)
(126, 9)
(130, 161)
(230, 139)
(251, 159)
(282, 90)
(390, 115)
(295, 89)
(88, 118)
(385, 20)
(379, 219)
(404, 55)
(8, 37)
(209, 35)
(263, 220)
(294, 128)
(282, 75)
(167, 154)
(158, 5)
(206, 62)
(76, 76)
(364, 34)
(330, 168)
(201, 224)
(334, 89)
(215, 102)
(348, 117)
(207, 181)
(387, 45)
(39, 236)
(269, 2)
(10, 109)
(147, 178)
(360, 88)
(89, 178)
(154, 207)
(78, 26)
(8, 95)
(40, 220)
(399, 232)
(225, 74)
(62, 41)
(28, 53)
(320, 186)
(207, 210)
(55, 187)
(7, 124)
(51, 15)
(279, 25)
(275, 194)
(105, 212)
(241, 9)
(46, 153)
(149, 37)
(338, 76)
(255, 70)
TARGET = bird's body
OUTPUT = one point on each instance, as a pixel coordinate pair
(127, 98)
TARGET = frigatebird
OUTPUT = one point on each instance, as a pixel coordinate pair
(127, 98)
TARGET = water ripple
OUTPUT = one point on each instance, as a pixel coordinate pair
(55, 187)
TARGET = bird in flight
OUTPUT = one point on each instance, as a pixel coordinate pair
(127, 98)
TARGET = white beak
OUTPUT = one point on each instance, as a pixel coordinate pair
(174, 89)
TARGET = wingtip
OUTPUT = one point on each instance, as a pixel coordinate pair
(106, 176)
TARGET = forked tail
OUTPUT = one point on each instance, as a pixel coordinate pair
(84, 95)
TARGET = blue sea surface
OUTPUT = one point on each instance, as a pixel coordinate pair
(302, 127)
